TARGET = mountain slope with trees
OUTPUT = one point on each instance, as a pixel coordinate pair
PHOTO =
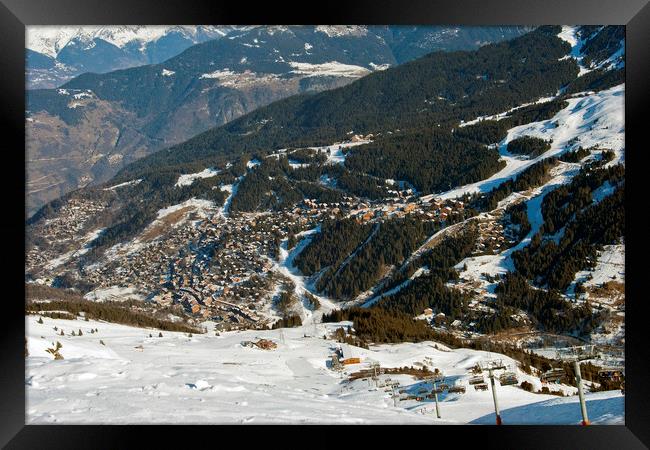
(138, 110)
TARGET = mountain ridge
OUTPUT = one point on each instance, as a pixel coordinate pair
(207, 84)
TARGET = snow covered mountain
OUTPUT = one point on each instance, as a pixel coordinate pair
(362, 152)
(75, 50)
(456, 209)
(190, 88)
(51, 40)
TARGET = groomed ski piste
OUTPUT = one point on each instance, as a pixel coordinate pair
(207, 379)
(590, 120)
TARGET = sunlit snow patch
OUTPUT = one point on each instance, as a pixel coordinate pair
(332, 68)
(187, 180)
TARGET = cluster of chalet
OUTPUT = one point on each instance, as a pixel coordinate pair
(217, 269)
(60, 230)
(439, 210)
(493, 237)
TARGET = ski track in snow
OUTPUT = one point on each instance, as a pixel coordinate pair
(351, 256)
(421, 271)
(224, 211)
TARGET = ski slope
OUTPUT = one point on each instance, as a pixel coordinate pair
(188, 179)
(285, 267)
(473, 267)
(590, 120)
(135, 379)
(570, 35)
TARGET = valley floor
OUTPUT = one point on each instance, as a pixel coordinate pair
(174, 379)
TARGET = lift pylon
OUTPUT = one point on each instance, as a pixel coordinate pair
(575, 355)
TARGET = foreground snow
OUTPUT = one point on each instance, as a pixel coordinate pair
(213, 379)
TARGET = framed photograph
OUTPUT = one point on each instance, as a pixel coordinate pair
(357, 214)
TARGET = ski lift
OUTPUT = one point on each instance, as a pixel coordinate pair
(476, 380)
(508, 379)
(481, 387)
(552, 376)
(610, 374)
(456, 389)
(435, 377)
(579, 353)
(491, 364)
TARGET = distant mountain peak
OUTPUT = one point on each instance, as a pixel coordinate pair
(50, 40)
(343, 30)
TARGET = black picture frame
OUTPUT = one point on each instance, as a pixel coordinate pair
(16, 14)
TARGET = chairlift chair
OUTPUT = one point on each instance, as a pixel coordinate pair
(579, 353)
(436, 377)
(476, 369)
(478, 379)
(610, 374)
(508, 379)
(552, 376)
(456, 389)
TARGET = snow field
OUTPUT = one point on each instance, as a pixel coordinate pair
(187, 180)
(213, 379)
